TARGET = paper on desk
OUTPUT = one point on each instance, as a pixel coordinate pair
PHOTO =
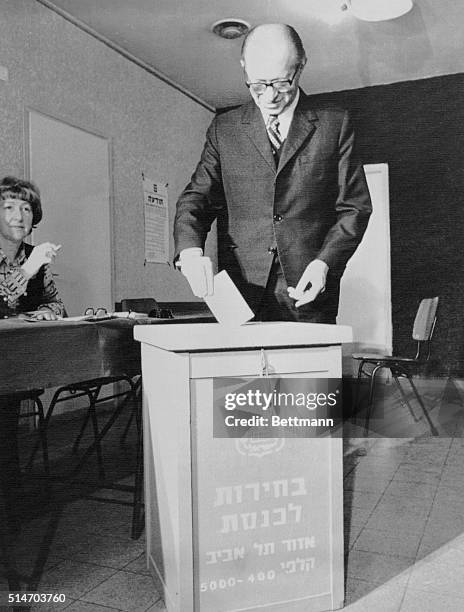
(227, 303)
(109, 315)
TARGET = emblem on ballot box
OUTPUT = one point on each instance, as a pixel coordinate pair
(258, 447)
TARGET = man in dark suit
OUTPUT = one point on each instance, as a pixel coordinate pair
(281, 178)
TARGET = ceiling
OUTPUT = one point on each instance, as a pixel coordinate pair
(173, 38)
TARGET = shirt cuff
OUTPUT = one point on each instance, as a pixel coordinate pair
(188, 254)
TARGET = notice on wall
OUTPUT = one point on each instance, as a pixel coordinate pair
(156, 212)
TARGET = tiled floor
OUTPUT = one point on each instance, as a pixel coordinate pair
(404, 525)
(404, 511)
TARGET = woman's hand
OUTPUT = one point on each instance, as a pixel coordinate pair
(42, 254)
(42, 315)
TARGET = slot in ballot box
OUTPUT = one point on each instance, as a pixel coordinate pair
(252, 520)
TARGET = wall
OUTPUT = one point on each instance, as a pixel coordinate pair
(417, 127)
(60, 70)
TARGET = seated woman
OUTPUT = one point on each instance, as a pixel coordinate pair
(26, 285)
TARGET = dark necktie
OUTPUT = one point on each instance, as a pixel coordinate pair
(272, 128)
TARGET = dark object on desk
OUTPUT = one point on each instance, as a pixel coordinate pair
(166, 312)
(148, 306)
(424, 325)
(195, 310)
(161, 313)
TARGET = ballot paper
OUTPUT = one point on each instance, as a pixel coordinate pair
(227, 303)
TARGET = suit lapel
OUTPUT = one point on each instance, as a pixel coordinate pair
(301, 128)
(303, 125)
(255, 129)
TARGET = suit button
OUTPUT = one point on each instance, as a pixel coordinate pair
(272, 250)
(278, 217)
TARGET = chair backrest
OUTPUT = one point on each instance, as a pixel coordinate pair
(145, 305)
(424, 323)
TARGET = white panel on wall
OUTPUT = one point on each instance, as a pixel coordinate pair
(365, 295)
(71, 169)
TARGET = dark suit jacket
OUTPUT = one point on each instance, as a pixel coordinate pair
(314, 204)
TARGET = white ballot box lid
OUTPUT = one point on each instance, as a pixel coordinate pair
(213, 336)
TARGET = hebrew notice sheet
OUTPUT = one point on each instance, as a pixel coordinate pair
(155, 203)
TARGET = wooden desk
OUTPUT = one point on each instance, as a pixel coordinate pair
(49, 353)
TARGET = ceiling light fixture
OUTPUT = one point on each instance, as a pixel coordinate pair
(378, 10)
(230, 28)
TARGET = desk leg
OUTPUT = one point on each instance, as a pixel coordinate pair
(7, 549)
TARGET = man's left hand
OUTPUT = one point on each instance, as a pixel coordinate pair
(311, 283)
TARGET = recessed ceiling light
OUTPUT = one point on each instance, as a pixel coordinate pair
(230, 28)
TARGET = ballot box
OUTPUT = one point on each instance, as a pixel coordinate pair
(241, 514)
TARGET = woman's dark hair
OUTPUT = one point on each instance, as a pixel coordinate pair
(18, 189)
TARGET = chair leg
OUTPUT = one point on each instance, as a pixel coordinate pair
(127, 427)
(403, 395)
(433, 429)
(133, 390)
(42, 440)
(96, 433)
(138, 481)
(48, 416)
(371, 398)
(43, 436)
(358, 386)
(91, 415)
(92, 395)
(77, 441)
(102, 433)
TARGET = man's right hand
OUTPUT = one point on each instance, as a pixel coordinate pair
(198, 270)
(42, 254)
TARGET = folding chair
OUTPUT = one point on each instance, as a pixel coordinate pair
(93, 390)
(90, 389)
(401, 367)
